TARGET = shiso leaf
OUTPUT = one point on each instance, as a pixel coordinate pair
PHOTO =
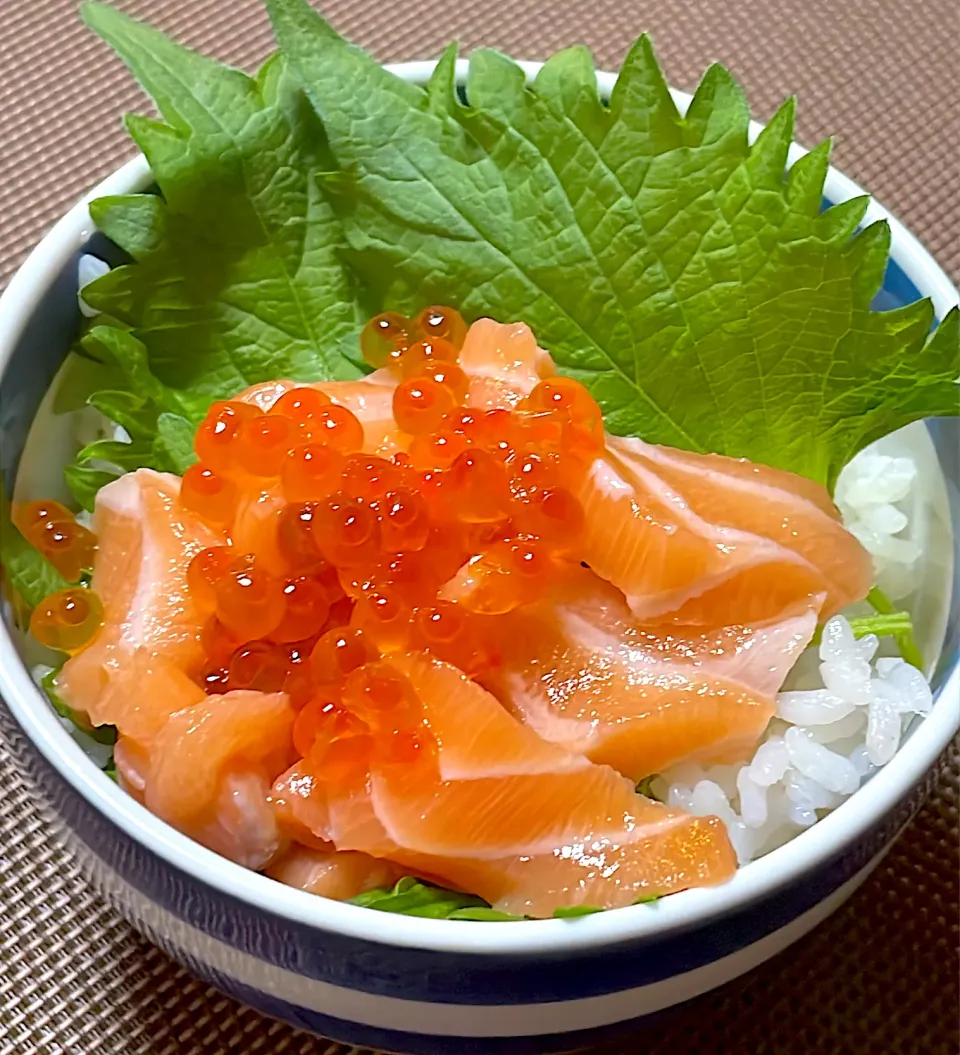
(174, 442)
(684, 275)
(411, 897)
(85, 481)
(237, 276)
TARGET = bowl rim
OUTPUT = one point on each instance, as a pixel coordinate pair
(682, 911)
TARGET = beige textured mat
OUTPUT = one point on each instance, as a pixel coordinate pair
(880, 977)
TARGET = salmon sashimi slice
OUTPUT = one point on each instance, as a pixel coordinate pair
(336, 874)
(790, 510)
(210, 769)
(151, 629)
(578, 671)
(643, 535)
(503, 363)
(370, 399)
(500, 812)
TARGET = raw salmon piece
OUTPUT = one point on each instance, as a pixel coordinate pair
(210, 769)
(579, 672)
(644, 536)
(789, 510)
(151, 628)
(370, 399)
(501, 360)
(256, 525)
(136, 691)
(503, 363)
(504, 814)
(336, 874)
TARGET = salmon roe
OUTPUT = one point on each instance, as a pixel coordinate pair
(355, 558)
(67, 620)
(53, 530)
(350, 558)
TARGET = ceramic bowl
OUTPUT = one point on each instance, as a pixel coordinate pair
(402, 984)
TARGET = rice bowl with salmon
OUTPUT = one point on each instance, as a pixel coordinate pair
(452, 629)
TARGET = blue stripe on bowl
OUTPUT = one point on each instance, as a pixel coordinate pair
(441, 977)
(388, 1040)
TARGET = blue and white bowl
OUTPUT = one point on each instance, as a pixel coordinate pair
(419, 985)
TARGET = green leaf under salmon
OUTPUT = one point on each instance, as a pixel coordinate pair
(236, 274)
(698, 291)
(412, 897)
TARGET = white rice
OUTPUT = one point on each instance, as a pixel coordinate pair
(825, 741)
(879, 503)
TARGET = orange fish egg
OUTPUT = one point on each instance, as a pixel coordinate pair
(420, 404)
(204, 572)
(555, 516)
(307, 609)
(564, 395)
(437, 450)
(441, 624)
(479, 487)
(533, 472)
(336, 654)
(67, 620)
(302, 405)
(259, 666)
(441, 321)
(379, 695)
(367, 477)
(250, 602)
(411, 575)
(299, 683)
(497, 432)
(215, 681)
(295, 538)
(449, 375)
(263, 442)
(29, 517)
(345, 530)
(311, 471)
(404, 747)
(342, 760)
(404, 523)
(69, 546)
(211, 496)
(384, 337)
(468, 422)
(218, 642)
(423, 355)
(338, 428)
(384, 618)
(444, 629)
(216, 438)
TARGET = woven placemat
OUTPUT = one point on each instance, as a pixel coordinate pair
(880, 977)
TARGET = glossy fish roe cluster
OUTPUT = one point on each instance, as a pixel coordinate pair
(69, 619)
(366, 556)
(53, 530)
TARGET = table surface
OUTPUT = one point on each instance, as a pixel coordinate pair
(879, 977)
